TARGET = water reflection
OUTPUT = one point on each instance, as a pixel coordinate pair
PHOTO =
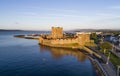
(58, 53)
(22, 57)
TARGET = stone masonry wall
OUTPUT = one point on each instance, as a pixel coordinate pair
(57, 32)
(64, 41)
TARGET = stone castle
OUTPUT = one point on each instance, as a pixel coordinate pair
(58, 39)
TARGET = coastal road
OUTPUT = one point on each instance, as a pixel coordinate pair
(108, 69)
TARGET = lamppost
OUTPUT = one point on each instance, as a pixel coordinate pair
(108, 58)
(118, 67)
(102, 39)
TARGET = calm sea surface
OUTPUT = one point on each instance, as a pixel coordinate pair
(22, 57)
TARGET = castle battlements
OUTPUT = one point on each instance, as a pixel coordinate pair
(58, 38)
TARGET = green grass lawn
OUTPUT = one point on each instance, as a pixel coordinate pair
(70, 45)
(90, 44)
(113, 58)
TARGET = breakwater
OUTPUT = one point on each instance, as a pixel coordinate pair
(36, 37)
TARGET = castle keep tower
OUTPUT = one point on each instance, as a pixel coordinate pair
(57, 32)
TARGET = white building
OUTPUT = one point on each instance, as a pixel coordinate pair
(77, 33)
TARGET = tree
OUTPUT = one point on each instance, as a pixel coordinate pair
(106, 46)
(116, 33)
(93, 36)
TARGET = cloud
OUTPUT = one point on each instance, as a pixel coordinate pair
(54, 9)
(29, 13)
(107, 20)
(68, 15)
(115, 7)
(108, 15)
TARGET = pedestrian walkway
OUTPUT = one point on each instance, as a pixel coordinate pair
(109, 70)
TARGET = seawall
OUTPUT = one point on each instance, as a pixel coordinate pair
(73, 47)
(62, 46)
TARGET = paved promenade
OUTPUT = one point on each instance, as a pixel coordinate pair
(108, 69)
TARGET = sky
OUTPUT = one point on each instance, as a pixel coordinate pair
(69, 14)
